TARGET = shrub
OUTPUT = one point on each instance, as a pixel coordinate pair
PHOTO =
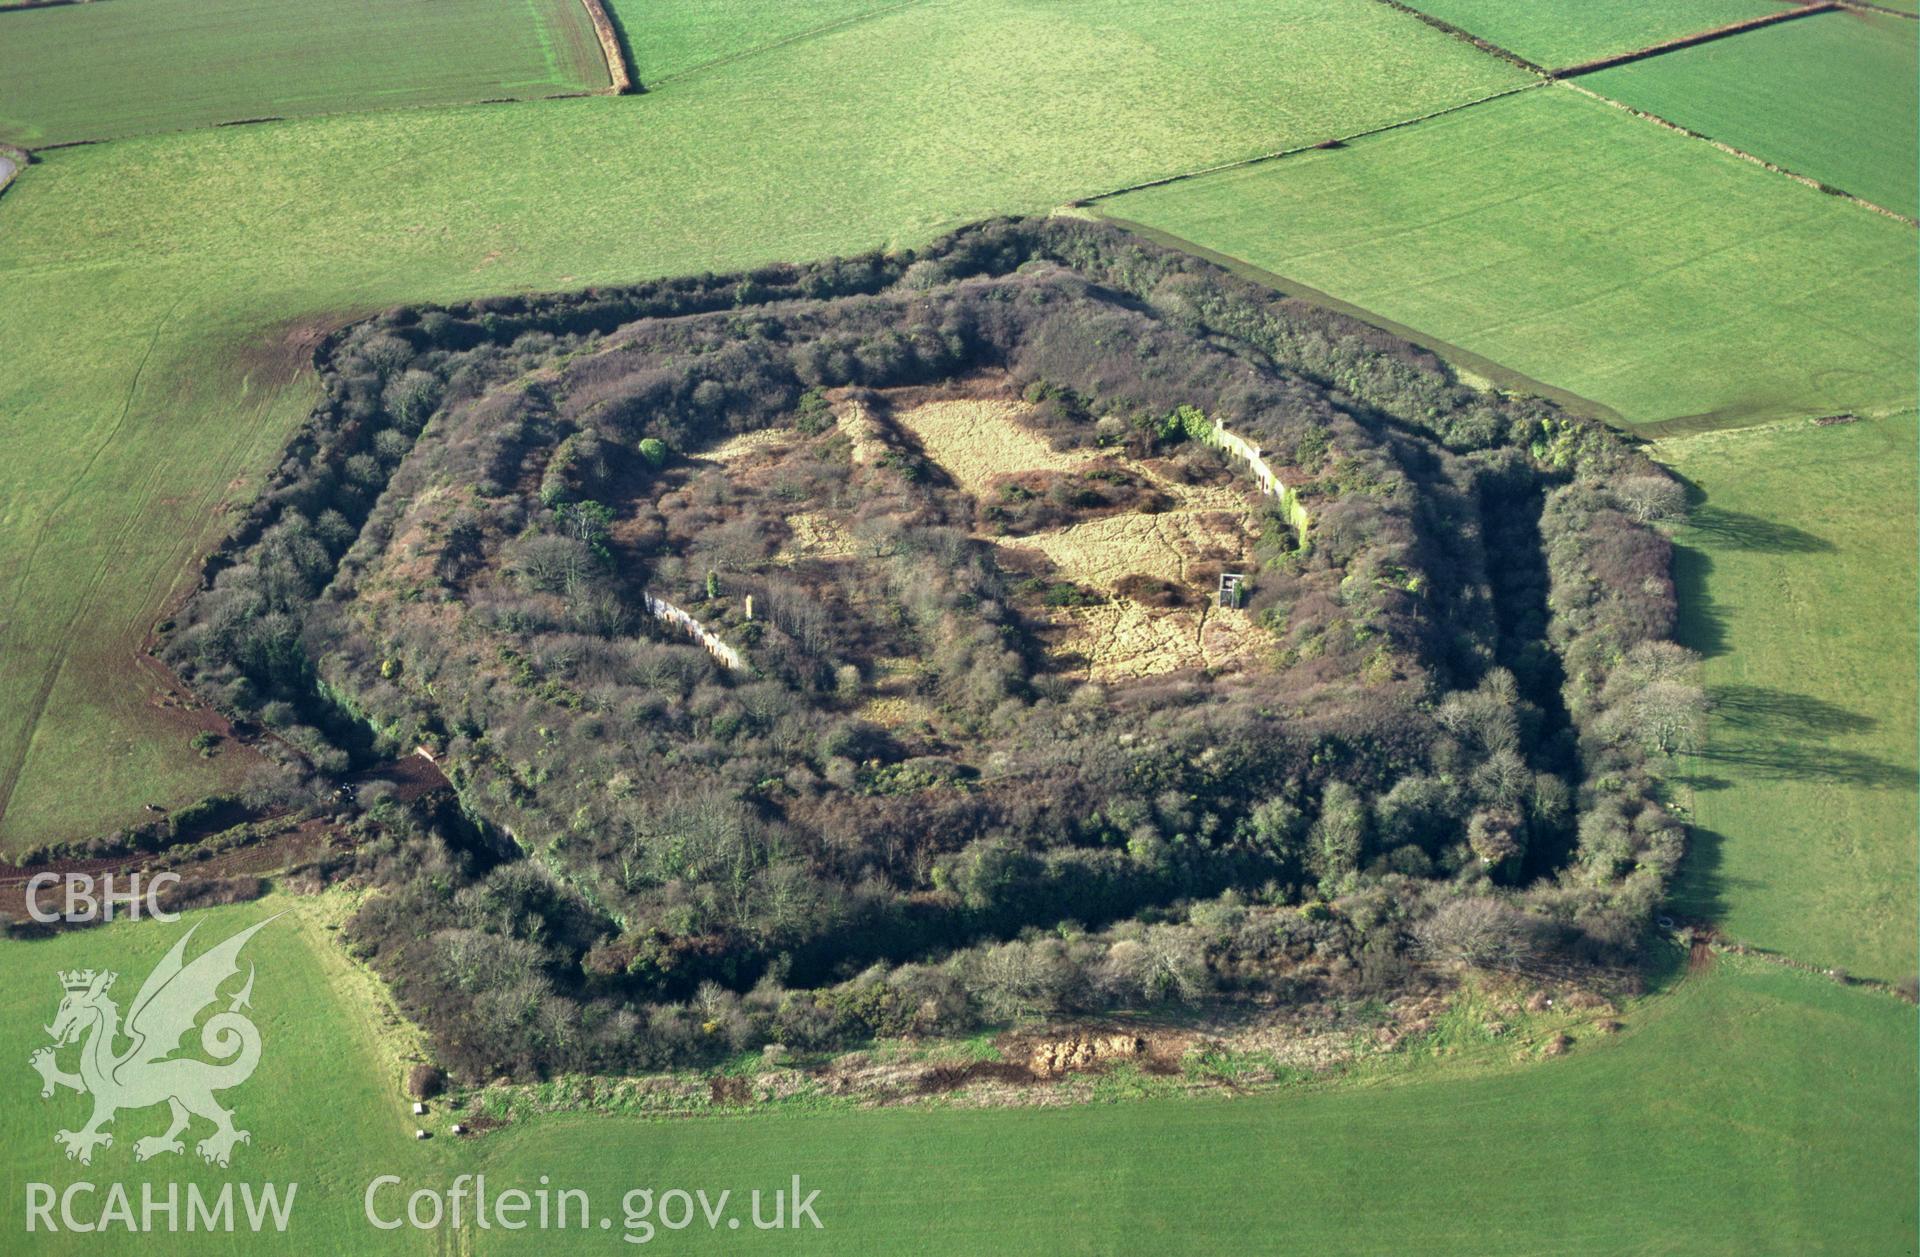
(424, 1082)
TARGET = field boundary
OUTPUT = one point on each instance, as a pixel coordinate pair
(1337, 141)
(810, 33)
(1466, 36)
(1864, 7)
(619, 74)
(1689, 41)
(1816, 184)
(1498, 375)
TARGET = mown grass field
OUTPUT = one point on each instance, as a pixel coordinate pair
(156, 290)
(1693, 1129)
(1797, 583)
(1526, 230)
(1555, 33)
(1835, 96)
(100, 71)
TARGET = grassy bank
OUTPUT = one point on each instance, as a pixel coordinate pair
(1797, 584)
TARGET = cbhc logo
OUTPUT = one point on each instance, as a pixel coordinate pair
(86, 903)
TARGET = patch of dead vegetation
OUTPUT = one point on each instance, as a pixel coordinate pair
(899, 712)
(738, 449)
(979, 441)
(871, 439)
(815, 535)
(1187, 548)
(1157, 571)
(1053, 1057)
(1125, 640)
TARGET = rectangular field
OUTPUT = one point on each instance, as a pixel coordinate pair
(1834, 96)
(1797, 583)
(124, 67)
(1596, 251)
(1555, 33)
(154, 292)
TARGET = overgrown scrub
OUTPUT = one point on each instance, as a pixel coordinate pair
(1444, 760)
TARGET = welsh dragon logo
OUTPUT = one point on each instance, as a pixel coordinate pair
(169, 1003)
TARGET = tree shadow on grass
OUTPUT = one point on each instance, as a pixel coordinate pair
(1700, 885)
(1788, 761)
(1701, 783)
(1734, 530)
(1718, 528)
(1701, 625)
(1783, 712)
(1773, 734)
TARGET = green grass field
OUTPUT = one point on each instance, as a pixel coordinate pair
(149, 288)
(1797, 583)
(327, 1117)
(1711, 1125)
(669, 38)
(99, 71)
(1692, 1134)
(1524, 230)
(1835, 96)
(1556, 33)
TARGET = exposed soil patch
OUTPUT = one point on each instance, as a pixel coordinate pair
(942, 1078)
(298, 845)
(730, 1089)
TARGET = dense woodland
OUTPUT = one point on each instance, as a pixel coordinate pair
(1444, 759)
